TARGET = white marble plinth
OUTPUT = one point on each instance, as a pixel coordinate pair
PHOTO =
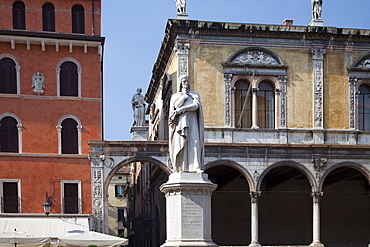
(316, 23)
(188, 209)
(139, 133)
(182, 16)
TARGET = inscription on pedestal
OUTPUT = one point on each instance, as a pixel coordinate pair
(192, 217)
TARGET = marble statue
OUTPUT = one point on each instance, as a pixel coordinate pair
(186, 130)
(181, 6)
(38, 83)
(138, 106)
(316, 9)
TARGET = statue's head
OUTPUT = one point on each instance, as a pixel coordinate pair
(184, 82)
(139, 90)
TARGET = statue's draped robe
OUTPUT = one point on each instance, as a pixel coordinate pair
(139, 109)
(186, 133)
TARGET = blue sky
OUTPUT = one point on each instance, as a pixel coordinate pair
(134, 30)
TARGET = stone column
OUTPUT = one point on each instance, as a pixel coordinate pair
(316, 218)
(254, 217)
(188, 209)
(254, 108)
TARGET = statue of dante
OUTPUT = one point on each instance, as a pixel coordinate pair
(181, 6)
(186, 130)
(316, 9)
(138, 106)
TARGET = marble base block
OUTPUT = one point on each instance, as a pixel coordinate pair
(188, 209)
(316, 23)
(139, 133)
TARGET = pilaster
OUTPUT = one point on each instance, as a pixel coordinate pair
(318, 84)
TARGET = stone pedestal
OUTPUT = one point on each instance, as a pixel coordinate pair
(139, 133)
(182, 16)
(188, 209)
(316, 23)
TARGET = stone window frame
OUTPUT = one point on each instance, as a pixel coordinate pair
(358, 74)
(18, 181)
(19, 127)
(275, 73)
(17, 68)
(79, 71)
(79, 132)
(79, 183)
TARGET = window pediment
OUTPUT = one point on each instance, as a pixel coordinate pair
(363, 63)
(254, 56)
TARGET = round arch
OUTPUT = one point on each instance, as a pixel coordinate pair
(130, 160)
(353, 165)
(292, 164)
(269, 79)
(236, 166)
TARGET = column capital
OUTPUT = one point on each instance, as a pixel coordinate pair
(316, 196)
(254, 196)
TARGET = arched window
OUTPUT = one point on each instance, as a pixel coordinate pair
(69, 79)
(9, 135)
(8, 76)
(78, 19)
(69, 136)
(19, 15)
(243, 104)
(48, 17)
(364, 108)
(266, 106)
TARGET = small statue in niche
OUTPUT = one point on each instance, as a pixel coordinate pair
(38, 83)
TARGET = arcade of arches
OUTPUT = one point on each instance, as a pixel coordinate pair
(260, 199)
(285, 206)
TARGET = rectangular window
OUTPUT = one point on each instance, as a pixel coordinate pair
(71, 197)
(120, 191)
(10, 201)
(120, 214)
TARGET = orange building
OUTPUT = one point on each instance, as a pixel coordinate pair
(50, 104)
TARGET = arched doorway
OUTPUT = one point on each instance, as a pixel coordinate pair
(231, 208)
(285, 206)
(345, 208)
(145, 217)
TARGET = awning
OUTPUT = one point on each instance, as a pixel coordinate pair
(19, 239)
(95, 238)
(53, 227)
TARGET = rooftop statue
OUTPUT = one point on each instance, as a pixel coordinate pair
(181, 6)
(138, 106)
(316, 9)
(186, 130)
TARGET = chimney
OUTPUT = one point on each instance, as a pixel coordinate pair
(288, 22)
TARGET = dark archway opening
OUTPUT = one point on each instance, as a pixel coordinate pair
(230, 207)
(145, 211)
(285, 208)
(345, 209)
